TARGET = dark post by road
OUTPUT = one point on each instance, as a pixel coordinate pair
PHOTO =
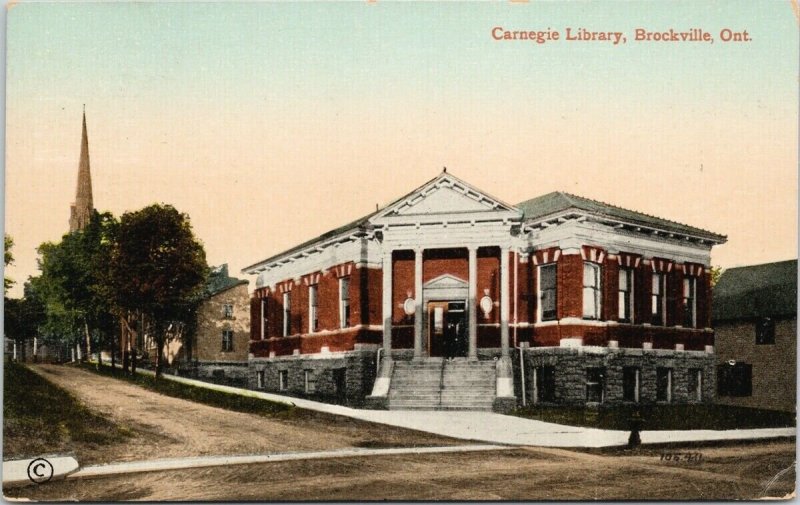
(636, 422)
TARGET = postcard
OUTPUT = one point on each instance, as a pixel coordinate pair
(378, 250)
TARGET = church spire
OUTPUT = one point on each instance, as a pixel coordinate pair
(81, 210)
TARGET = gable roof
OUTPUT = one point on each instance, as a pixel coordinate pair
(767, 290)
(219, 281)
(363, 222)
(541, 206)
(558, 201)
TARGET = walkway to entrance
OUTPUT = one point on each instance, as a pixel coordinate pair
(501, 429)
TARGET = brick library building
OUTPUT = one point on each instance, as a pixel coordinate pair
(449, 298)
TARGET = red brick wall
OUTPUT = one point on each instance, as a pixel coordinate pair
(445, 261)
(402, 286)
(570, 286)
(366, 304)
(610, 289)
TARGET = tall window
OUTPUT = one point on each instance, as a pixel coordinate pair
(287, 314)
(344, 302)
(626, 295)
(227, 311)
(658, 300)
(227, 340)
(631, 383)
(690, 302)
(765, 331)
(263, 318)
(313, 321)
(664, 384)
(591, 291)
(695, 385)
(548, 292)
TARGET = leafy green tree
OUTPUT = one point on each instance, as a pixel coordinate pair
(73, 284)
(24, 317)
(158, 267)
(716, 273)
(8, 243)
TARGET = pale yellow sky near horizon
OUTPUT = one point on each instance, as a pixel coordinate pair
(261, 173)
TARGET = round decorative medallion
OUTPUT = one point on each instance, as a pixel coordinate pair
(410, 306)
(486, 304)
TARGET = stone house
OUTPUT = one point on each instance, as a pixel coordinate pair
(222, 336)
(755, 320)
(450, 298)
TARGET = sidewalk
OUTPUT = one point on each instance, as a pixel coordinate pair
(489, 427)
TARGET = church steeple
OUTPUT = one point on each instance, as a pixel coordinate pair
(81, 210)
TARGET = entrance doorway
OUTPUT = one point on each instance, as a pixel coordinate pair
(447, 329)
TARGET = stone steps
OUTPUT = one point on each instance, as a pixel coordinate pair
(436, 384)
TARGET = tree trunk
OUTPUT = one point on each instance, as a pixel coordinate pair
(113, 349)
(159, 339)
(88, 341)
(133, 360)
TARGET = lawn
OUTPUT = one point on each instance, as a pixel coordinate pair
(238, 403)
(41, 418)
(662, 417)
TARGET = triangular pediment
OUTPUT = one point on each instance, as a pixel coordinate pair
(446, 281)
(445, 194)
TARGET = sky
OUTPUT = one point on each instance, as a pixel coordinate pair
(270, 123)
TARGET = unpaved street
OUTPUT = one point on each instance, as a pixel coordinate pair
(740, 471)
(168, 427)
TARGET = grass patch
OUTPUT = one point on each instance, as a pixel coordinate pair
(663, 417)
(230, 401)
(41, 418)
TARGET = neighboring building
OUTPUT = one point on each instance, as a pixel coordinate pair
(427, 302)
(222, 336)
(755, 320)
(81, 210)
(218, 350)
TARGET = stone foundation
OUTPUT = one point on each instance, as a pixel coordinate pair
(571, 373)
(337, 377)
(227, 373)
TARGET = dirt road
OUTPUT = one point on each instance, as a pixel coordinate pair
(740, 471)
(166, 427)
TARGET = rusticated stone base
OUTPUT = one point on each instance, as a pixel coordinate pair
(504, 404)
(570, 367)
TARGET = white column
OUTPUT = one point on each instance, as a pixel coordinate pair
(418, 303)
(387, 304)
(472, 303)
(382, 381)
(504, 301)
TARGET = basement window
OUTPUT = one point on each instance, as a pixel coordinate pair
(283, 380)
(664, 384)
(695, 386)
(260, 379)
(631, 384)
(308, 381)
(595, 385)
(545, 384)
(735, 379)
